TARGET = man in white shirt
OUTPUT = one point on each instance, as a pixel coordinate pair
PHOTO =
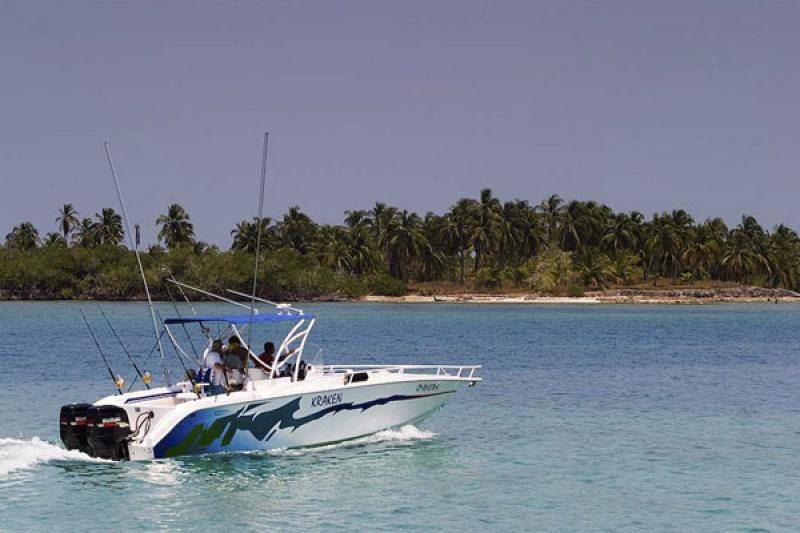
(213, 361)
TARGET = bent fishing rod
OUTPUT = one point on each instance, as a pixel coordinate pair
(130, 357)
(118, 382)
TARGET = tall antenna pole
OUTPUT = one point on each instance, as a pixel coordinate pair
(138, 261)
(258, 240)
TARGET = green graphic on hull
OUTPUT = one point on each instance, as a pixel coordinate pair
(200, 432)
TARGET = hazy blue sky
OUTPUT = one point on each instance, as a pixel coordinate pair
(641, 105)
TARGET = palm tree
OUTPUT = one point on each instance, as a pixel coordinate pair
(532, 231)
(109, 227)
(54, 240)
(484, 238)
(621, 234)
(362, 254)
(594, 267)
(67, 220)
(746, 256)
(379, 218)
(703, 247)
(625, 267)
(245, 235)
(782, 255)
(551, 210)
(511, 231)
(176, 230)
(434, 261)
(85, 235)
(571, 226)
(664, 246)
(23, 237)
(458, 229)
(296, 230)
(333, 248)
(354, 219)
(405, 239)
(739, 258)
(552, 270)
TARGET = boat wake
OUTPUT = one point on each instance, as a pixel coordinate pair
(404, 435)
(16, 454)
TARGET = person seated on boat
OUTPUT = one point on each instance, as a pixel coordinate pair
(234, 367)
(268, 355)
(235, 347)
(212, 363)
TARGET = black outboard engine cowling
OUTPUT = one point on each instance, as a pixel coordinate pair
(107, 431)
(72, 425)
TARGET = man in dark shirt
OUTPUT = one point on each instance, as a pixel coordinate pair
(268, 355)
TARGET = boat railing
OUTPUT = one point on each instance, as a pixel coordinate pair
(457, 371)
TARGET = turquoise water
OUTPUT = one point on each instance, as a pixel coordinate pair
(590, 418)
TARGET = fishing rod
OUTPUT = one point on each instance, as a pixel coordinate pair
(130, 358)
(206, 331)
(178, 352)
(147, 358)
(138, 261)
(118, 381)
(212, 295)
(277, 305)
(185, 329)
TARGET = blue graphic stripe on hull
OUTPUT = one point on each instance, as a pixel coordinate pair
(198, 433)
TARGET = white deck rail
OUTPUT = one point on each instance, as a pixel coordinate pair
(457, 371)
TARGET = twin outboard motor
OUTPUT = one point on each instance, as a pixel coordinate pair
(98, 430)
(72, 425)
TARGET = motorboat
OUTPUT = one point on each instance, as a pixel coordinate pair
(298, 401)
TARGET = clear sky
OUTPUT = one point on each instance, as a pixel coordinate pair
(641, 105)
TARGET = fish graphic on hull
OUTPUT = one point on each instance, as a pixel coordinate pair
(201, 431)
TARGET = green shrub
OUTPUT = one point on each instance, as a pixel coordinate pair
(385, 285)
(575, 291)
(489, 278)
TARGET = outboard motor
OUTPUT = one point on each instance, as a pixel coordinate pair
(73, 426)
(107, 431)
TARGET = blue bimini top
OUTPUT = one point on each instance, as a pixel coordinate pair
(241, 319)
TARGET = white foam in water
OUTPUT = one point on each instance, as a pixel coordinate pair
(16, 454)
(403, 435)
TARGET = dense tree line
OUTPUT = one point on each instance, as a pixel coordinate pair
(554, 246)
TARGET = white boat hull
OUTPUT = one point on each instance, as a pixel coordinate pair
(262, 420)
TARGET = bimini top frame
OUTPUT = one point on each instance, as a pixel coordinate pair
(297, 336)
(241, 319)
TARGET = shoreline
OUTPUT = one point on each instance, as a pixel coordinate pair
(616, 296)
(566, 300)
(674, 295)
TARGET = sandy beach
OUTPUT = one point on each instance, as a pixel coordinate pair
(616, 296)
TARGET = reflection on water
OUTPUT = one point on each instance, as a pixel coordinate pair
(167, 473)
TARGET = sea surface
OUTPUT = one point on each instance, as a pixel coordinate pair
(589, 418)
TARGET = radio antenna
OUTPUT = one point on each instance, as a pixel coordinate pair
(138, 261)
(258, 243)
